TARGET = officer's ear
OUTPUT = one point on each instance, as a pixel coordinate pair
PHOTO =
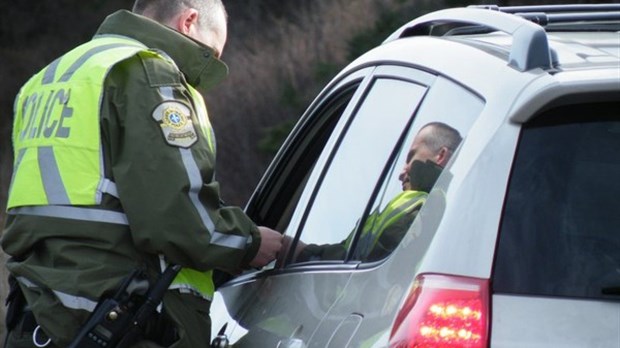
(185, 20)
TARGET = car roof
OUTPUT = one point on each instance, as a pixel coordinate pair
(576, 55)
(551, 37)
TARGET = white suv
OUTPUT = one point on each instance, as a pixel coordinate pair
(518, 242)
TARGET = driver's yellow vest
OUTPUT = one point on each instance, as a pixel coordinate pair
(57, 140)
(377, 222)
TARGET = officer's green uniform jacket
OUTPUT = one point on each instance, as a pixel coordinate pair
(166, 193)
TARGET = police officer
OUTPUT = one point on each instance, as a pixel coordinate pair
(114, 172)
(430, 151)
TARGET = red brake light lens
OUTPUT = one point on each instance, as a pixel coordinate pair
(443, 311)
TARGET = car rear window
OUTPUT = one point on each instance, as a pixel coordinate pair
(560, 231)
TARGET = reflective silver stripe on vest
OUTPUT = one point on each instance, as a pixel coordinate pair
(69, 301)
(73, 213)
(18, 161)
(80, 61)
(229, 241)
(50, 72)
(405, 207)
(195, 180)
(75, 302)
(108, 186)
(166, 93)
(50, 174)
(26, 282)
(188, 289)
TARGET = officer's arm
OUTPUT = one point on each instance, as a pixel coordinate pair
(162, 164)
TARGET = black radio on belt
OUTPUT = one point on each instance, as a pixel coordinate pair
(118, 321)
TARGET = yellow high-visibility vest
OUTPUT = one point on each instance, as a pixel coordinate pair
(56, 133)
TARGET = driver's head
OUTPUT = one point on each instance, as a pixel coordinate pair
(434, 144)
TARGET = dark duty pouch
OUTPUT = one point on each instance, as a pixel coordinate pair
(15, 303)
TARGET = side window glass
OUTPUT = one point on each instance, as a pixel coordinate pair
(358, 163)
(443, 119)
(276, 199)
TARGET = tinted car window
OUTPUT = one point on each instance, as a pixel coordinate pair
(560, 233)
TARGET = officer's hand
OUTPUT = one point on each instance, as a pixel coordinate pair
(270, 245)
(287, 241)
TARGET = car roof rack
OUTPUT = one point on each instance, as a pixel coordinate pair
(582, 8)
(549, 14)
(530, 46)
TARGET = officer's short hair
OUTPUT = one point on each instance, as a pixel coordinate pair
(164, 10)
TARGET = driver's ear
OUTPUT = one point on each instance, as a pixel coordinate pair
(443, 156)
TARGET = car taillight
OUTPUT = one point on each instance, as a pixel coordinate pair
(443, 311)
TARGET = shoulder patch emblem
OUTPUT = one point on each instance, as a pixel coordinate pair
(176, 123)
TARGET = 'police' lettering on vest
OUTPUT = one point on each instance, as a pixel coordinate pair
(44, 114)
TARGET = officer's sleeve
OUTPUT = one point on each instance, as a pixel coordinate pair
(162, 162)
